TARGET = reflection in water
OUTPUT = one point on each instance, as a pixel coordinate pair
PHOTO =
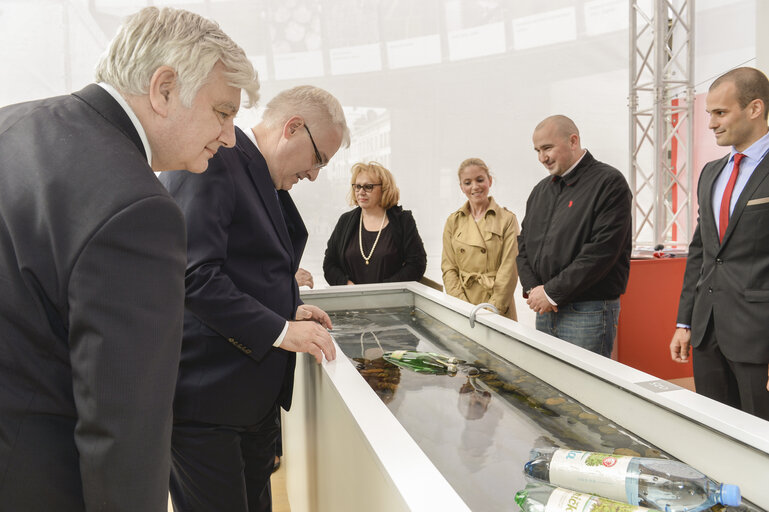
(479, 425)
(473, 401)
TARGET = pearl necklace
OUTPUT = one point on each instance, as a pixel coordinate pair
(360, 237)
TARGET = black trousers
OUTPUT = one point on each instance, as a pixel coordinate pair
(217, 468)
(741, 385)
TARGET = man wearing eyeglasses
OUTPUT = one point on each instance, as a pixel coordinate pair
(244, 320)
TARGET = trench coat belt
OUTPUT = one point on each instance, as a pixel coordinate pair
(485, 279)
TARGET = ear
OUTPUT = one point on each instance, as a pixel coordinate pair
(756, 109)
(574, 140)
(293, 124)
(162, 84)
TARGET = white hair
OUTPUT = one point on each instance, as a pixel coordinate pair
(309, 102)
(185, 41)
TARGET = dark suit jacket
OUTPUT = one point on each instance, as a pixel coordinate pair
(244, 246)
(91, 271)
(730, 280)
(411, 251)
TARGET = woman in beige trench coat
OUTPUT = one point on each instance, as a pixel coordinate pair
(480, 243)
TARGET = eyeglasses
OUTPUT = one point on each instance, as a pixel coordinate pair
(318, 159)
(368, 187)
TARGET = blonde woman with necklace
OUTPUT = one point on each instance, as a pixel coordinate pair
(480, 244)
(378, 241)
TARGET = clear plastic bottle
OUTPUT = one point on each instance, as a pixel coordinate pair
(423, 362)
(538, 497)
(659, 484)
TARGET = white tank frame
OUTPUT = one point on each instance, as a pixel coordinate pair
(345, 450)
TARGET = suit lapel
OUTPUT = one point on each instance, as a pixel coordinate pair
(706, 198)
(102, 102)
(260, 176)
(758, 176)
(297, 231)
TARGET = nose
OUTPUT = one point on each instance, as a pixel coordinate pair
(227, 135)
(312, 175)
(542, 157)
(712, 124)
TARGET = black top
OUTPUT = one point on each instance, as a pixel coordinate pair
(408, 262)
(384, 262)
(576, 236)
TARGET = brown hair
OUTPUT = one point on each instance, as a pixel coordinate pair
(751, 85)
(390, 192)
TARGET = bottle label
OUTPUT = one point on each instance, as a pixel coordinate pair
(597, 473)
(397, 354)
(565, 500)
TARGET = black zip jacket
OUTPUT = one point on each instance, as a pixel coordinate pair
(576, 236)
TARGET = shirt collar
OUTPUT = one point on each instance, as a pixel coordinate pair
(756, 151)
(584, 152)
(135, 120)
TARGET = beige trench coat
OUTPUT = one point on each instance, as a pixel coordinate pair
(478, 261)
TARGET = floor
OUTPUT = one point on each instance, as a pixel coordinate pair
(279, 495)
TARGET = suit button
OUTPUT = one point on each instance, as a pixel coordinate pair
(231, 340)
(710, 290)
(483, 251)
(719, 261)
(461, 250)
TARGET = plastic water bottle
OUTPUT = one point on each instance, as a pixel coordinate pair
(659, 484)
(546, 498)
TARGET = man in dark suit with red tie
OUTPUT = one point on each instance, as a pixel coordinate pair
(244, 320)
(724, 307)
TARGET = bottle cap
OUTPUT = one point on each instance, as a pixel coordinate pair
(730, 495)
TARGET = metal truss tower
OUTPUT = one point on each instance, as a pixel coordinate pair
(661, 105)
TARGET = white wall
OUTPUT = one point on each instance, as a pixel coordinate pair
(426, 83)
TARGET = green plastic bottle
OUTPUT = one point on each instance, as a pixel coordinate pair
(423, 362)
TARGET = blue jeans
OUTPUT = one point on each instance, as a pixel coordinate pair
(590, 324)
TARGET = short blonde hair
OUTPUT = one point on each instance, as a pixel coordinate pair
(390, 192)
(473, 161)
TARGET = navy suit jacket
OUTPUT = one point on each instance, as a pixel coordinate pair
(92, 259)
(730, 280)
(245, 240)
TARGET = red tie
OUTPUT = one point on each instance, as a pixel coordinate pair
(726, 200)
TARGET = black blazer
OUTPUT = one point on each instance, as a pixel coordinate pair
(410, 247)
(245, 241)
(730, 280)
(92, 257)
